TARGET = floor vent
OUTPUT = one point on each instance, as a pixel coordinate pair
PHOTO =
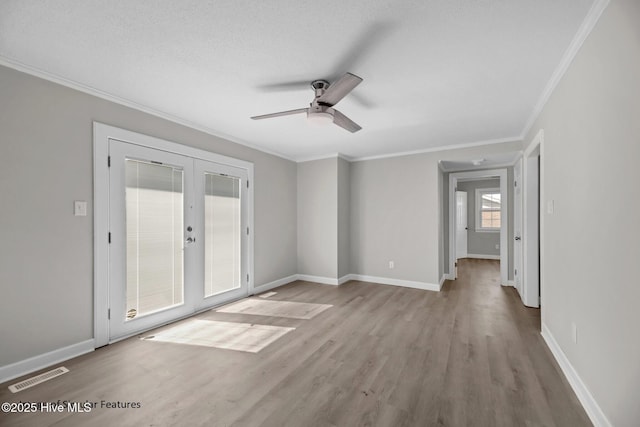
(30, 382)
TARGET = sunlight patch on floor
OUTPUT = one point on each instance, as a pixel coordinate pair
(226, 335)
(293, 310)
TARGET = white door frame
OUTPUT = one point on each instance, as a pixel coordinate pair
(102, 133)
(518, 225)
(532, 275)
(504, 213)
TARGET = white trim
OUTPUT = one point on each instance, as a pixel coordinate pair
(41, 361)
(511, 283)
(504, 213)
(27, 69)
(440, 148)
(585, 29)
(500, 165)
(482, 256)
(100, 236)
(530, 291)
(442, 279)
(325, 156)
(102, 133)
(345, 279)
(318, 279)
(275, 284)
(591, 407)
(33, 71)
(449, 276)
(397, 282)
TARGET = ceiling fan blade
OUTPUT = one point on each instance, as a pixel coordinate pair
(339, 89)
(281, 113)
(363, 47)
(345, 122)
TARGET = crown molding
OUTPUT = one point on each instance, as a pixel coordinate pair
(440, 148)
(585, 29)
(36, 72)
(323, 157)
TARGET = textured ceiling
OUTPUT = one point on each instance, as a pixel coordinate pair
(436, 72)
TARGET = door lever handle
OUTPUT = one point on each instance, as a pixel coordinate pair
(518, 238)
(191, 240)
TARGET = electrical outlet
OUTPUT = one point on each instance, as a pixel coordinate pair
(551, 207)
(392, 264)
(574, 332)
(497, 246)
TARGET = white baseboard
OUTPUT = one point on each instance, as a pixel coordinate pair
(442, 279)
(318, 279)
(450, 276)
(509, 283)
(345, 279)
(481, 256)
(276, 283)
(35, 363)
(597, 417)
(397, 282)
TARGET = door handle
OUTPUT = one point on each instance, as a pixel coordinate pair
(191, 240)
(518, 238)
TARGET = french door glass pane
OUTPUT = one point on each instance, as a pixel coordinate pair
(154, 224)
(222, 261)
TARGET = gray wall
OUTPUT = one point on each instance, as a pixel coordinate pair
(344, 217)
(479, 242)
(591, 243)
(46, 256)
(318, 218)
(324, 218)
(395, 214)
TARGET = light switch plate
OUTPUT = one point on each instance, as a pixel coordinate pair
(80, 208)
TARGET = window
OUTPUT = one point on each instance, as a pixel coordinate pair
(488, 209)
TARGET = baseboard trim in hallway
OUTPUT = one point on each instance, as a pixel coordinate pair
(591, 407)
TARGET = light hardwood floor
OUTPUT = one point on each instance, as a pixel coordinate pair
(471, 355)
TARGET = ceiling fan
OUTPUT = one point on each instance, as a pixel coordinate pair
(321, 108)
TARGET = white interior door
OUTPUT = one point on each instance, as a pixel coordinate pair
(178, 230)
(517, 226)
(461, 224)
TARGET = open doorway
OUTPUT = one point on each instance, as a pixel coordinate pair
(489, 216)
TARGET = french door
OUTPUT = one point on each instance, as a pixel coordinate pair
(178, 236)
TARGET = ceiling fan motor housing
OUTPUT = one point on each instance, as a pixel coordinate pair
(320, 113)
(319, 87)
